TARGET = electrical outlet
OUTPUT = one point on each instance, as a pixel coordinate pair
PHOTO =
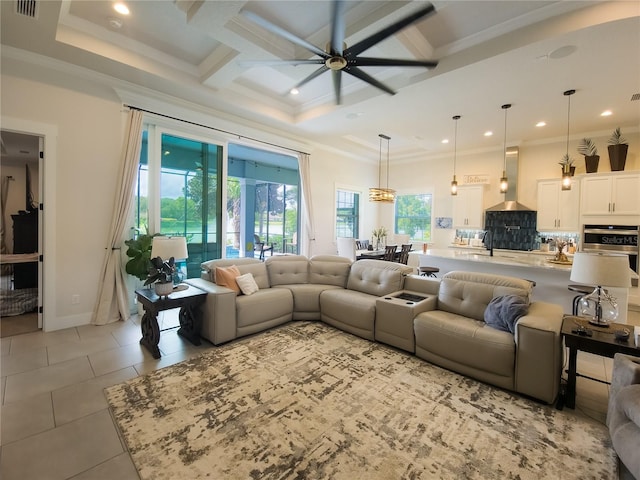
(75, 299)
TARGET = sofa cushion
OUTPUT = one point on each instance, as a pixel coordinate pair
(287, 269)
(226, 277)
(329, 270)
(504, 311)
(247, 284)
(377, 277)
(468, 293)
(259, 272)
(209, 267)
(349, 310)
(262, 307)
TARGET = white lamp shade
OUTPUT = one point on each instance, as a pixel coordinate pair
(167, 247)
(600, 269)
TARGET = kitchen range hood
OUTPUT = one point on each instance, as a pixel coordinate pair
(511, 203)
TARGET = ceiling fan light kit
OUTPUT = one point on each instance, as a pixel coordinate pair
(337, 57)
(379, 193)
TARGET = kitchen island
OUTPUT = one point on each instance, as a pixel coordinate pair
(551, 279)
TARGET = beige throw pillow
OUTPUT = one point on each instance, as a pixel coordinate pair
(226, 277)
(247, 284)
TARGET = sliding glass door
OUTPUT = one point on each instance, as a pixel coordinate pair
(179, 193)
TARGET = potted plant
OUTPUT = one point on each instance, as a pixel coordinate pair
(587, 148)
(567, 164)
(618, 147)
(139, 253)
(161, 275)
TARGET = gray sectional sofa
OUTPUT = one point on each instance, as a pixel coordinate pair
(443, 324)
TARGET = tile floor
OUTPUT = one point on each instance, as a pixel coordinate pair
(54, 419)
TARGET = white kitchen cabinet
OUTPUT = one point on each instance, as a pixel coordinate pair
(558, 210)
(611, 195)
(468, 209)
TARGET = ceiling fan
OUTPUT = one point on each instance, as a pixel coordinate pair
(338, 58)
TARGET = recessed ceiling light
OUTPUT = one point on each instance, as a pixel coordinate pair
(294, 91)
(121, 8)
(562, 52)
(488, 134)
(541, 124)
(606, 113)
(446, 140)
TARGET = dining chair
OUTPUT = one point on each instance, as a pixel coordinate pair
(390, 253)
(262, 247)
(403, 257)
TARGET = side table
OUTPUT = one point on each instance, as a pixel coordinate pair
(601, 341)
(187, 300)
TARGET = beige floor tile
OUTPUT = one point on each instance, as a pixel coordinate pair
(120, 468)
(167, 360)
(47, 379)
(591, 365)
(5, 345)
(171, 342)
(82, 399)
(89, 331)
(28, 341)
(118, 358)
(62, 452)
(29, 417)
(22, 362)
(128, 335)
(66, 351)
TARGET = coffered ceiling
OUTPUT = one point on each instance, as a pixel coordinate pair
(490, 52)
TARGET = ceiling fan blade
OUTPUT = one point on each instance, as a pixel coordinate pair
(337, 27)
(316, 73)
(284, 34)
(387, 32)
(276, 63)
(356, 72)
(337, 80)
(391, 62)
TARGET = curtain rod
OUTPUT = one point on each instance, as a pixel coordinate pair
(215, 129)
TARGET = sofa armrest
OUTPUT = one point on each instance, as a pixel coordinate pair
(625, 371)
(218, 311)
(539, 351)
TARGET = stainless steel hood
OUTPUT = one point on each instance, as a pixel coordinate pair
(511, 203)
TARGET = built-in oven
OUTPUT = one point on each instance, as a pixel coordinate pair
(613, 239)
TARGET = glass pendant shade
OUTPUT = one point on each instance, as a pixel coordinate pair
(379, 193)
(454, 182)
(504, 181)
(566, 181)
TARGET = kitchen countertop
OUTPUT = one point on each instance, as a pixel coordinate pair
(500, 257)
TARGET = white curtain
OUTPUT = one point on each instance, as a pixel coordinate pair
(112, 303)
(309, 225)
(6, 269)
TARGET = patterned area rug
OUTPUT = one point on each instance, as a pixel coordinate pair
(306, 401)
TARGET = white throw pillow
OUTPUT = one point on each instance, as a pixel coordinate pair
(247, 284)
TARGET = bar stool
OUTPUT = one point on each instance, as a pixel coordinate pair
(428, 271)
(583, 290)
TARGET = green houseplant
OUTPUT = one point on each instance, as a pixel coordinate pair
(161, 275)
(617, 147)
(139, 253)
(587, 148)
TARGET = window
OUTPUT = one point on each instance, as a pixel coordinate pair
(347, 213)
(413, 216)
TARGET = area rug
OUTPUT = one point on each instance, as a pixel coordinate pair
(306, 401)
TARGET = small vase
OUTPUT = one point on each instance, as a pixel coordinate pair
(163, 289)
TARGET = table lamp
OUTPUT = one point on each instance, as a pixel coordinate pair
(601, 270)
(167, 247)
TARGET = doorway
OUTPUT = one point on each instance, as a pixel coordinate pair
(21, 165)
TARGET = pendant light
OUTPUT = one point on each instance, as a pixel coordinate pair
(566, 160)
(504, 181)
(380, 194)
(454, 182)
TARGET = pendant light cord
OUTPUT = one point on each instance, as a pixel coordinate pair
(568, 119)
(504, 152)
(455, 142)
